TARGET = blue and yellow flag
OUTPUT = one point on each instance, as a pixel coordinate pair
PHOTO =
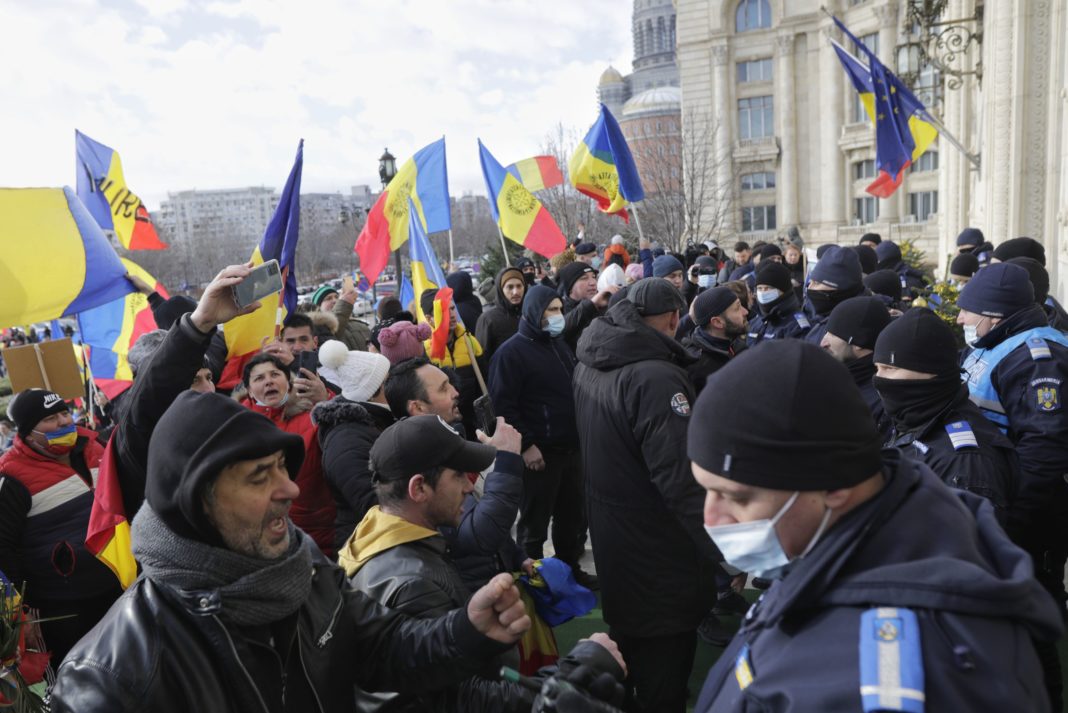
(603, 168)
(55, 260)
(102, 187)
(521, 217)
(426, 270)
(903, 128)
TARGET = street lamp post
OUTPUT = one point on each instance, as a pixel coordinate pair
(387, 169)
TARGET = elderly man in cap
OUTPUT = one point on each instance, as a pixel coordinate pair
(870, 611)
(237, 603)
(852, 329)
(47, 483)
(655, 565)
(399, 557)
(718, 336)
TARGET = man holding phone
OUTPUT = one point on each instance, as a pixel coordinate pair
(298, 349)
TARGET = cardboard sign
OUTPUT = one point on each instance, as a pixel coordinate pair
(46, 365)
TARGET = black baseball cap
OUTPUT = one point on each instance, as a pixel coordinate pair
(419, 443)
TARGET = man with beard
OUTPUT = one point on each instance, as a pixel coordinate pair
(919, 381)
(582, 301)
(501, 321)
(719, 320)
(835, 278)
(780, 314)
(852, 330)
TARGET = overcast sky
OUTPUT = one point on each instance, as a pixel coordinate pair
(217, 94)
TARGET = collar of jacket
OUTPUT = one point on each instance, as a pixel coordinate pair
(1027, 318)
(707, 342)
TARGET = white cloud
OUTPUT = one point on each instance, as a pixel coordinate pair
(217, 95)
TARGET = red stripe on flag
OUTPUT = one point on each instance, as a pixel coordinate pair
(544, 236)
(144, 236)
(439, 340)
(233, 371)
(603, 201)
(884, 184)
(373, 244)
(108, 511)
(550, 171)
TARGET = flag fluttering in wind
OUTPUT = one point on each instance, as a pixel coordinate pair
(108, 533)
(426, 270)
(56, 260)
(537, 173)
(422, 180)
(111, 329)
(903, 128)
(439, 339)
(521, 217)
(245, 334)
(603, 168)
(102, 187)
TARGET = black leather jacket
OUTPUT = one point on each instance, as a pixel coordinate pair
(161, 650)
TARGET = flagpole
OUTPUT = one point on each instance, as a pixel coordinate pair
(504, 247)
(452, 258)
(637, 221)
(89, 383)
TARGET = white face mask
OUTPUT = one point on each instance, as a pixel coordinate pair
(705, 280)
(754, 547)
(768, 296)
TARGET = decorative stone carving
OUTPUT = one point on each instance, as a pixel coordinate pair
(784, 45)
(720, 55)
(887, 14)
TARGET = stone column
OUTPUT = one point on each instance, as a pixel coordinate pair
(891, 209)
(833, 185)
(785, 118)
(723, 116)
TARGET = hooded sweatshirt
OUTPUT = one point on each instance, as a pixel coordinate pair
(500, 321)
(378, 532)
(463, 296)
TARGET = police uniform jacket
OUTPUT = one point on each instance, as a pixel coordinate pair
(966, 451)
(952, 614)
(784, 320)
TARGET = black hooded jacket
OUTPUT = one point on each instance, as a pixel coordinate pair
(464, 297)
(633, 401)
(498, 323)
(713, 355)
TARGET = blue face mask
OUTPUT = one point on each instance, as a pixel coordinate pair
(597, 263)
(556, 325)
(768, 296)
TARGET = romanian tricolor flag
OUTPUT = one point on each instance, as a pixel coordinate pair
(521, 217)
(108, 534)
(55, 260)
(245, 335)
(422, 180)
(537, 173)
(603, 168)
(903, 128)
(439, 339)
(103, 189)
(111, 329)
(426, 270)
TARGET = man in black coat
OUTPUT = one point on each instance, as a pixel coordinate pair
(499, 322)
(582, 302)
(467, 303)
(718, 335)
(655, 563)
(530, 385)
(237, 599)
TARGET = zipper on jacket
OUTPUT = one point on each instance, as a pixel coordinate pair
(329, 633)
(307, 676)
(962, 655)
(233, 650)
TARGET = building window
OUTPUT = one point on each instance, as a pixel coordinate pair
(752, 15)
(757, 70)
(865, 210)
(871, 41)
(758, 181)
(923, 205)
(661, 35)
(864, 169)
(756, 118)
(928, 161)
(758, 217)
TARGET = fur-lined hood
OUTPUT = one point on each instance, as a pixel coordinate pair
(324, 321)
(328, 414)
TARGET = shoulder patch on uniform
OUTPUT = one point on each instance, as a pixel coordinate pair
(680, 404)
(802, 320)
(961, 435)
(743, 669)
(1047, 398)
(1039, 349)
(891, 661)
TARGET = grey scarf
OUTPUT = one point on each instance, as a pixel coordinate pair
(253, 591)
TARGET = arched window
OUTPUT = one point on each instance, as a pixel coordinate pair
(752, 15)
(650, 38)
(661, 35)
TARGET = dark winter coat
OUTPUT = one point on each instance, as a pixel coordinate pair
(783, 320)
(467, 302)
(862, 370)
(498, 323)
(713, 354)
(632, 402)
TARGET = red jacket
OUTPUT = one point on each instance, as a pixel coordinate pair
(313, 511)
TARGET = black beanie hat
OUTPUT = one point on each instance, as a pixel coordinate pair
(822, 250)
(166, 313)
(30, 406)
(585, 248)
(1037, 274)
(784, 415)
(998, 290)
(889, 255)
(774, 274)
(971, 236)
(870, 238)
(569, 275)
(712, 303)
(839, 268)
(1021, 247)
(919, 340)
(869, 263)
(769, 250)
(652, 296)
(198, 436)
(859, 320)
(884, 282)
(964, 265)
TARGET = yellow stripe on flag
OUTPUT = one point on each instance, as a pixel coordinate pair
(244, 335)
(517, 207)
(400, 190)
(118, 555)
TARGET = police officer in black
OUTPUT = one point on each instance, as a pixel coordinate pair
(780, 315)
(719, 332)
(933, 420)
(835, 278)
